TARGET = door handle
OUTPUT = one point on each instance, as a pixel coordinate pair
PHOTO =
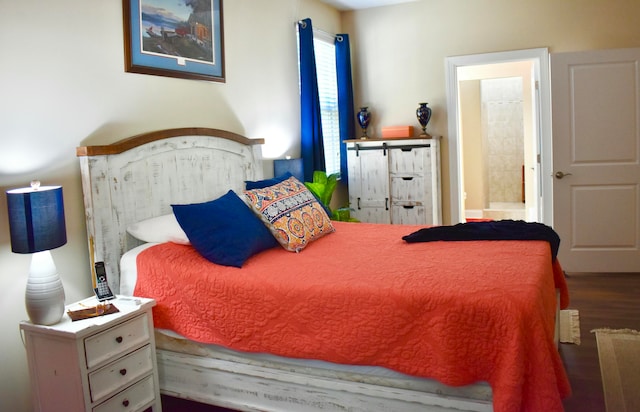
(560, 175)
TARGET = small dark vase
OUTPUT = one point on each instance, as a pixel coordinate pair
(423, 113)
(364, 117)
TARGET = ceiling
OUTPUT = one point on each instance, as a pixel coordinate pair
(362, 4)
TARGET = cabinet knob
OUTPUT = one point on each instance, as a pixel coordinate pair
(119, 339)
(123, 372)
(125, 402)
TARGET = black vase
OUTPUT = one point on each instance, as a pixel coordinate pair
(364, 117)
(423, 113)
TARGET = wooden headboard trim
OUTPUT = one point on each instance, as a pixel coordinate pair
(144, 138)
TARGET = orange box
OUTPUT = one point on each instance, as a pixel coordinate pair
(397, 131)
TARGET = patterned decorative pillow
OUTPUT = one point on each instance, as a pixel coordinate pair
(291, 212)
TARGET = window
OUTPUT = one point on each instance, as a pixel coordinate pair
(325, 51)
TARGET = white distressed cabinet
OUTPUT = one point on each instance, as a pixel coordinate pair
(101, 364)
(395, 180)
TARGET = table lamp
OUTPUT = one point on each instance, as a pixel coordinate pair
(293, 166)
(37, 225)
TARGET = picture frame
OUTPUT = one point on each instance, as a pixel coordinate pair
(174, 38)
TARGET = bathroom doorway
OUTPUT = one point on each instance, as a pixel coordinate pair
(495, 130)
(497, 126)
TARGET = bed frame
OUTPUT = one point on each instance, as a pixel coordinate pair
(139, 178)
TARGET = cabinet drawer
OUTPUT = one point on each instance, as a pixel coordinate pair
(135, 398)
(410, 160)
(117, 375)
(116, 341)
(410, 215)
(407, 188)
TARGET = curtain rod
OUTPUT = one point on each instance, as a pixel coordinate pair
(303, 23)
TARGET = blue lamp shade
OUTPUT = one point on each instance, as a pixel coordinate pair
(293, 166)
(36, 219)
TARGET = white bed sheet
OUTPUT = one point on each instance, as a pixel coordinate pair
(128, 273)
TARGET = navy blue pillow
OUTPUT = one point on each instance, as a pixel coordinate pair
(224, 231)
(261, 184)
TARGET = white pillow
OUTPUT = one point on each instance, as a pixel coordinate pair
(159, 230)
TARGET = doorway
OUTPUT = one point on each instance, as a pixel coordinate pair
(496, 164)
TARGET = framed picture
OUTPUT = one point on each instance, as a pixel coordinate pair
(175, 38)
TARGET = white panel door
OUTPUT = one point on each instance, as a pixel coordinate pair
(596, 152)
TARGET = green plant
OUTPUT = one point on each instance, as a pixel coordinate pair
(344, 214)
(323, 187)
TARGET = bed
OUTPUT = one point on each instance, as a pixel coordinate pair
(483, 341)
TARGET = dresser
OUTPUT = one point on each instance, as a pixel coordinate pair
(395, 180)
(102, 364)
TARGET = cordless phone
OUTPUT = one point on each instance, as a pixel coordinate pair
(102, 290)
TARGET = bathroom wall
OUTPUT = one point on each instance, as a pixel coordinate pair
(503, 135)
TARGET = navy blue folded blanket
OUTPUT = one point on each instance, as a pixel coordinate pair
(494, 230)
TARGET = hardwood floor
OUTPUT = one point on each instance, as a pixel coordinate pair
(603, 300)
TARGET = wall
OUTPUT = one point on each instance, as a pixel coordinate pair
(63, 85)
(472, 149)
(399, 51)
(504, 140)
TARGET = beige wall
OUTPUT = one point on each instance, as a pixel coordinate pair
(62, 84)
(471, 148)
(399, 51)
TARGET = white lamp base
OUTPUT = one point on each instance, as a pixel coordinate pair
(44, 297)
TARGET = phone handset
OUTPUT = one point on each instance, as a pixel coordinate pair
(102, 290)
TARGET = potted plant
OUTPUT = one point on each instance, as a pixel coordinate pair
(323, 187)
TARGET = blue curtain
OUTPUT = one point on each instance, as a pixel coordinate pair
(345, 99)
(312, 147)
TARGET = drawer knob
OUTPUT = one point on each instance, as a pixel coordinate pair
(123, 372)
(119, 339)
(125, 402)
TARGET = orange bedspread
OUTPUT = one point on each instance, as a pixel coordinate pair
(459, 312)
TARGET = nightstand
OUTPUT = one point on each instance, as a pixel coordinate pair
(106, 363)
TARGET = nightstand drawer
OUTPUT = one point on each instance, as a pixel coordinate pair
(117, 375)
(117, 340)
(132, 399)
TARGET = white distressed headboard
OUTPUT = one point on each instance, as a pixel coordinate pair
(140, 177)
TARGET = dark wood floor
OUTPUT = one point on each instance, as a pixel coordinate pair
(611, 301)
(604, 301)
